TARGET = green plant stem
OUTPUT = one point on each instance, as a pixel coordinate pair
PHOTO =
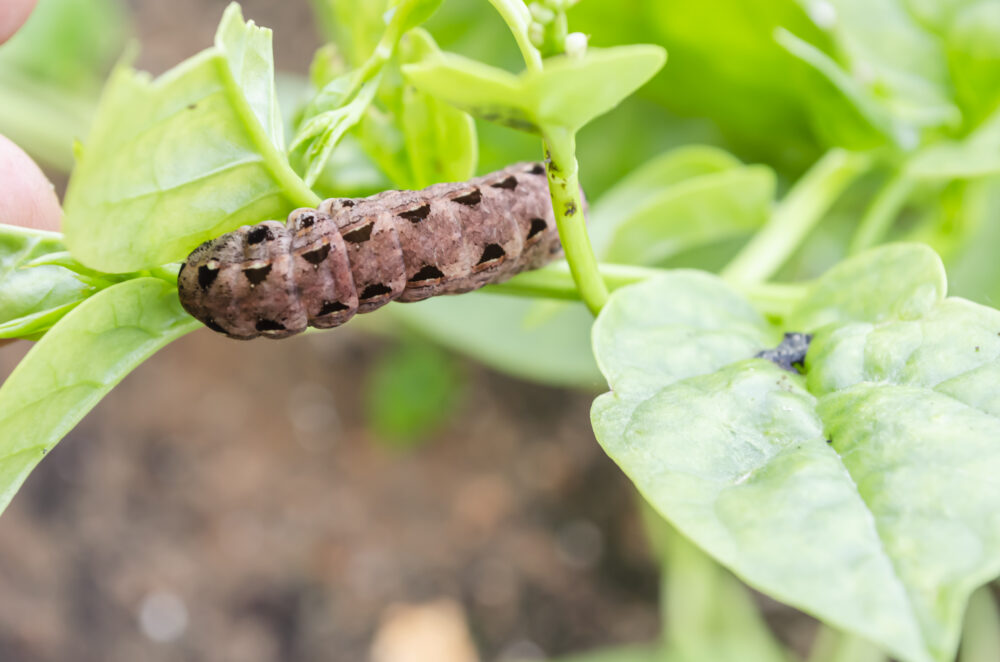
(981, 632)
(883, 211)
(555, 281)
(517, 24)
(833, 646)
(795, 216)
(567, 204)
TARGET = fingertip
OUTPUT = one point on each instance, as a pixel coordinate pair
(27, 197)
(13, 14)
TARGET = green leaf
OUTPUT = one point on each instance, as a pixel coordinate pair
(36, 291)
(496, 331)
(173, 162)
(899, 60)
(566, 93)
(976, 155)
(77, 362)
(981, 636)
(901, 280)
(973, 44)
(863, 493)
(569, 92)
(412, 391)
(696, 212)
(440, 140)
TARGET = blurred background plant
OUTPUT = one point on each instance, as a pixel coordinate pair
(681, 174)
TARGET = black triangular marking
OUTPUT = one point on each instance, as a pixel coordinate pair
(510, 183)
(207, 276)
(259, 234)
(316, 256)
(537, 169)
(269, 325)
(418, 214)
(538, 226)
(257, 275)
(362, 234)
(427, 272)
(470, 199)
(491, 253)
(332, 307)
(376, 290)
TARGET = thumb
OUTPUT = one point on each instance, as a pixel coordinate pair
(27, 197)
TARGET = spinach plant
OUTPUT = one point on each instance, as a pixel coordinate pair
(855, 478)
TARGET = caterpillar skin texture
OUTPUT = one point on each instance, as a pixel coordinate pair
(355, 255)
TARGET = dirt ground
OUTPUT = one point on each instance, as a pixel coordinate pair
(227, 503)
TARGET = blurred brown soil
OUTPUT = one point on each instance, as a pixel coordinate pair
(234, 486)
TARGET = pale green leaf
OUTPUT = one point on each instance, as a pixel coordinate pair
(178, 160)
(36, 290)
(865, 493)
(77, 362)
(695, 212)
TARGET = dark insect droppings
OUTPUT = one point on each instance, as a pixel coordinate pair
(207, 276)
(509, 184)
(427, 272)
(376, 290)
(471, 199)
(418, 214)
(790, 353)
(538, 226)
(492, 252)
(331, 307)
(258, 234)
(317, 255)
(257, 275)
(269, 325)
(364, 233)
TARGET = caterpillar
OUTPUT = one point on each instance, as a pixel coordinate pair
(351, 256)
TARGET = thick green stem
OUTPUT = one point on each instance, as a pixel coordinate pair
(883, 211)
(795, 216)
(517, 17)
(833, 646)
(567, 204)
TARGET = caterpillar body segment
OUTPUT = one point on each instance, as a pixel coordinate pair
(351, 256)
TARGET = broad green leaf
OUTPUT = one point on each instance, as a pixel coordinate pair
(647, 182)
(976, 155)
(483, 91)
(354, 25)
(869, 124)
(413, 390)
(35, 291)
(77, 362)
(494, 330)
(175, 161)
(900, 280)
(440, 139)
(877, 467)
(567, 92)
(724, 65)
(897, 58)
(973, 45)
(695, 212)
